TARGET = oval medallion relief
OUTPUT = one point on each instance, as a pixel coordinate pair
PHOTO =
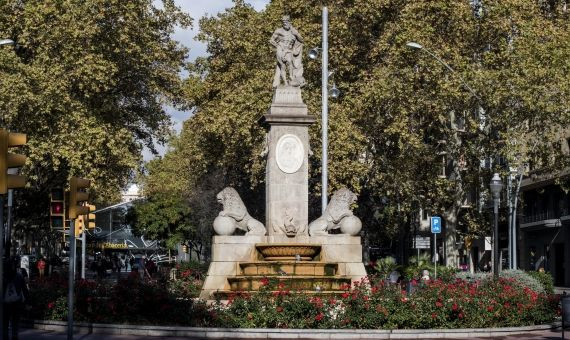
(289, 153)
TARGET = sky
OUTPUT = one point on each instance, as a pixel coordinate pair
(196, 9)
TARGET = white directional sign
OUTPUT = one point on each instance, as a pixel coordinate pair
(421, 242)
(436, 224)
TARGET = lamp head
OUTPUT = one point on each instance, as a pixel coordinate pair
(496, 186)
(6, 42)
(414, 45)
(334, 92)
(314, 53)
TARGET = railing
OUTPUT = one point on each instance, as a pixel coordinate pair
(546, 215)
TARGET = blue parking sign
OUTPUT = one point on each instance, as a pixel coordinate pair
(436, 224)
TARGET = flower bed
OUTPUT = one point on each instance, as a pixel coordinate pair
(367, 305)
(502, 303)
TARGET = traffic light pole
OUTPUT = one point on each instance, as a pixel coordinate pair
(71, 284)
(1, 266)
(9, 222)
(83, 246)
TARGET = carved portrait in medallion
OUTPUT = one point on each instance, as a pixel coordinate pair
(289, 153)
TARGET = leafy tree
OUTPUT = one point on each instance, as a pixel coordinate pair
(402, 116)
(87, 82)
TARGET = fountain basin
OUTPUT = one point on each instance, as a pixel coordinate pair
(288, 251)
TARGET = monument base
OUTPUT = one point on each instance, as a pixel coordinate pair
(233, 256)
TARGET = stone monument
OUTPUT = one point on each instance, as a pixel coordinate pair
(305, 256)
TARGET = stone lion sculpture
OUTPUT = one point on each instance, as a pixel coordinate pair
(337, 216)
(234, 215)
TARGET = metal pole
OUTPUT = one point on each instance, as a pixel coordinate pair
(325, 99)
(515, 231)
(510, 219)
(496, 240)
(9, 219)
(435, 257)
(110, 224)
(71, 284)
(83, 249)
(1, 266)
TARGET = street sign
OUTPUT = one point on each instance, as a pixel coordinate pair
(436, 224)
(421, 242)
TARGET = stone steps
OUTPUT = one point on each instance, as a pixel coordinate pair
(226, 294)
(291, 268)
(293, 282)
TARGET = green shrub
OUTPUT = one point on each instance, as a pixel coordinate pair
(545, 280)
(524, 279)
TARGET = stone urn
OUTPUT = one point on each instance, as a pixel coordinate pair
(224, 225)
(350, 225)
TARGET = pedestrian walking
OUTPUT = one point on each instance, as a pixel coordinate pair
(41, 267)
(15, 294)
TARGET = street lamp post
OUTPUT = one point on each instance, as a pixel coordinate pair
(334, 93)
(496, 186)
(2, 42)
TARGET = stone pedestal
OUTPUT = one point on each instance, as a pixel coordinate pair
(287, 184)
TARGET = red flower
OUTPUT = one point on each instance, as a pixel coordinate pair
(460, 315)
(264, 281)
(490, 308)
(438, 304)
(332, 301)
(455, 307)
(51, 305)
(345, 295)
(319, 317)
(279, 309)
(433, 315)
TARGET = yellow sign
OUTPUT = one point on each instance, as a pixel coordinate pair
(108, 245)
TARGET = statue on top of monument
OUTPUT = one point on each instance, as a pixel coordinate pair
(289, 45)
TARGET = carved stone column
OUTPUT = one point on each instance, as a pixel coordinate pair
(286, 179)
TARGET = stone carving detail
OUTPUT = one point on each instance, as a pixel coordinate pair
(235, 216)
(289, 226)
(289, 45)
(289, 153)
(337, 216)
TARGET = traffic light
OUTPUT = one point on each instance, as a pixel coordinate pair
(11, 160)
(79, 225)
(57, 209)
(90, 222)
(185, 248)
(78, 195)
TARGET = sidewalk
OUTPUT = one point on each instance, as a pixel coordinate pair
(31, 334)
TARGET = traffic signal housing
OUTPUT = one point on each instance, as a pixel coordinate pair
(57, 209)
(77, 195)
(185, 248)
(79, 225)
(90, 221)
(11, 160)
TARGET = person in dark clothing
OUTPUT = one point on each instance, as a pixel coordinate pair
(15, 293)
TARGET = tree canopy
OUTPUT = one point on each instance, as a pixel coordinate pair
(87, 81)
(402, 115)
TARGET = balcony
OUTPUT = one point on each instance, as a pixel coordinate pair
(545, 219)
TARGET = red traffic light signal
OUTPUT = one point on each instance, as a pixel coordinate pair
(57, 208)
